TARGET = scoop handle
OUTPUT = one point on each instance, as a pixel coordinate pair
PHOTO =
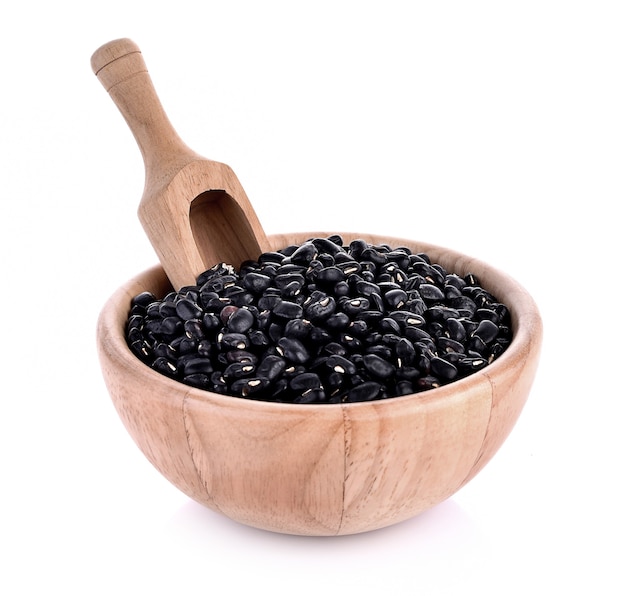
(120, 67)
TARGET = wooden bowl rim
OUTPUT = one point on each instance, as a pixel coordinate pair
(524, 312)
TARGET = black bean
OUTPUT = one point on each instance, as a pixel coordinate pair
(287, 310)
(186, 345)
(198, 380)
(377, 366)
(486, 330)
(238, 370)
(337, 321)
(455, 329)
(443, 369)
(470, 365)
(381, 350)
(143, 299)
(193, 329)
(366, 391)
(233, 341)
(163, 350)
(321, 309)
(304, 381)
(257, 282)
(405, 351)
(354, 306)
(241, 356)
(431, 292)
(246, 387)
(304, 254)
(311, 396)
(389, 325)
(340, 365)
(297, 329)
(271, 367)
(210, 322)
(195, 364)
(293, 350)
(164, 366)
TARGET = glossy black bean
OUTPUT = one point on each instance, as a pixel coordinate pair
(409, 373)
(487, 331)
(447, 344)
(238, 370)
(354, 306)
(367, 391)
(311, 396)
(134, 334)
(389, 325)
(269, 300)
(241, 356)
(164, 350)
(469, 365)
(233, 341)
(330, 275)
(366, 288)
(427, 382)
(340, 289)
(349, 267)
(193, 329)
(247, 387)
(341, 365)
(404, 388)
(405, 352)
(171, 326)
(297, 329)
(257, 282)
(143, 299)
(318, 336)
(335, 347)
(293, 350)
(337, 321)
(377, 366)
(304, 381)
(287, 310)
(443, 369)
(332, 245)
(370, 317)
(164, 366)
(199, 381)
(477, 344)
(304, 254)
(240, 320)
(271, 367)
(142, 349)
(321, 309)
(194, 365)
(350, 342)
(396, 298)
(431, 293)
(455, 329)
(358, 328)
(186, 345)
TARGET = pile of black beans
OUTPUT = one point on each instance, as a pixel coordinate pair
(322, 322)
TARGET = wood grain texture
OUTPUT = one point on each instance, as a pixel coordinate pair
(194, 210)
(323, 469)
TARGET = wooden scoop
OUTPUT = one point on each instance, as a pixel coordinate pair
(194, 210)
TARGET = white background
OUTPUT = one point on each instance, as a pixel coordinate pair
(496, 128)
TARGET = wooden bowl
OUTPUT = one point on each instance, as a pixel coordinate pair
(323, 469)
